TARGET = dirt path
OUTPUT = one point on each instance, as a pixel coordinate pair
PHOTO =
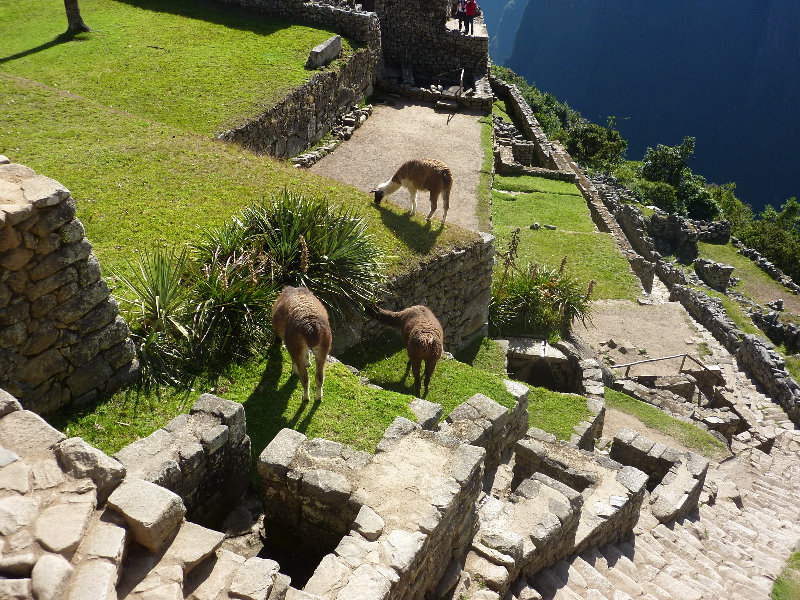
(403, 130)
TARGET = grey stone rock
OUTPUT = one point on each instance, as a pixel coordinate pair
(50, 577)
(192, 545)
(369, 524)
(329, 577)
(366, 583)
(401, 548)
(15, 589)
(324, 53)
(104, 539)
(428, 413)
(327, 485)
(278, 454)
(254, 579)
(17, 512)
(215, 438)
(15, 477)
(152, 512)
(80, 459)
(93, 580)
(27, 434)
(8, 403)
(60, 528)
(7, 457)
(231, 413)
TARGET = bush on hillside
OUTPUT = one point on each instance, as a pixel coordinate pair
(535, 300)
(658, 193)
(190, 314)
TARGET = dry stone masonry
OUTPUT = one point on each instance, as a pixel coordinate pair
(203, 457)
(61, 337)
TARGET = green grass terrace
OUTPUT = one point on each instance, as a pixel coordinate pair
(125, 117)
(518, 202)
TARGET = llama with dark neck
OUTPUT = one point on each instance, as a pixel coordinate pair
(423, 337)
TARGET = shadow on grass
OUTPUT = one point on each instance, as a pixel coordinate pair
(267, 403)
(62, 38)
(385, 350)
(215, 12)
(419, 238)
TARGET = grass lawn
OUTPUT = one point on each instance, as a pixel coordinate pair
(557, 413)
(687, 434)
(590, 253)
(569, 213)
(202, 66)
(787, 585)
(589, 256)
(753, 281)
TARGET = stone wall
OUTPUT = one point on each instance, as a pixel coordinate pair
(304, 116)
(766, 266)
(673, 235)
(456, 286)
(712, 232)
(715, 275)
(543, 153)
(777, 331)
(62, 340)
(769, 369)
(203, 457)
(413, 34)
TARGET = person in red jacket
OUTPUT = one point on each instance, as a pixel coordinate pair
(472, 8)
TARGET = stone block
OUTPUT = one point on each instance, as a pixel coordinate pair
(231, 413)
(91, 376)
(192, 545)
(254, 579)
(60, 528)
(277, 456)
(61, 259)
(329, 577)
(104, 539)
(8, 403)
(93, 580)
(402, 548)
(324, 53)
(82, 460)
(495, 576)
(366, 583)
(15, 477)
(214, 438)
(152, 512)
(27, 434)
(50, 577)
(428, 413)
(15, 589)
(368, 523)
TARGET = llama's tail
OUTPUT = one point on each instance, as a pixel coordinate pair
(384, 316)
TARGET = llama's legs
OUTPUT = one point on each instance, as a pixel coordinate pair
(320, 355)
(300, 360)
(302, 373)
(415, 368)
(412, 196)
(430, 365)
(446, 204)
(434, 201)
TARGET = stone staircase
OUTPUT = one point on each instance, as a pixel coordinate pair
(733, 546)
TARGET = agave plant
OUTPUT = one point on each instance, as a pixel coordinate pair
(155, 299)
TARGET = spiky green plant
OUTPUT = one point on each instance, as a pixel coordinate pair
(155, 301)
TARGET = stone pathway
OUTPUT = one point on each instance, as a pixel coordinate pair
(733, 546)
(403, 130)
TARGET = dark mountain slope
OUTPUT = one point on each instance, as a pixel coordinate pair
(726, 72)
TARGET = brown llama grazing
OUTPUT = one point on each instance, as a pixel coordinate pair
(420, 174)
(422, 335)
(301, 321)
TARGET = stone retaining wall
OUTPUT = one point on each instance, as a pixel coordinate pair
(203, 457)
(413, 34)
(715, 275)
(544, 151)
(456, 286)
(777, 331)
(62, 340)
(303, 117)
(766, 266)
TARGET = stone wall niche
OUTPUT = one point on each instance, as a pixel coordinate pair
(61, 337)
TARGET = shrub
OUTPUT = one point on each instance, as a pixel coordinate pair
(535, 300)
(667, 163)
(697, 198)
(660, 194)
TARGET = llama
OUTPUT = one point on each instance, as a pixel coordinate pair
(422, 335)
(301, 321)
(420, 174)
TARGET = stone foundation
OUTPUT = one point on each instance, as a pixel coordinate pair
(62, 340)
(203, 457)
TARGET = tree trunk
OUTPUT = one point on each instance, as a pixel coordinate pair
(75, 22)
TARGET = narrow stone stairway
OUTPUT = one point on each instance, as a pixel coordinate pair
(732, 547)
